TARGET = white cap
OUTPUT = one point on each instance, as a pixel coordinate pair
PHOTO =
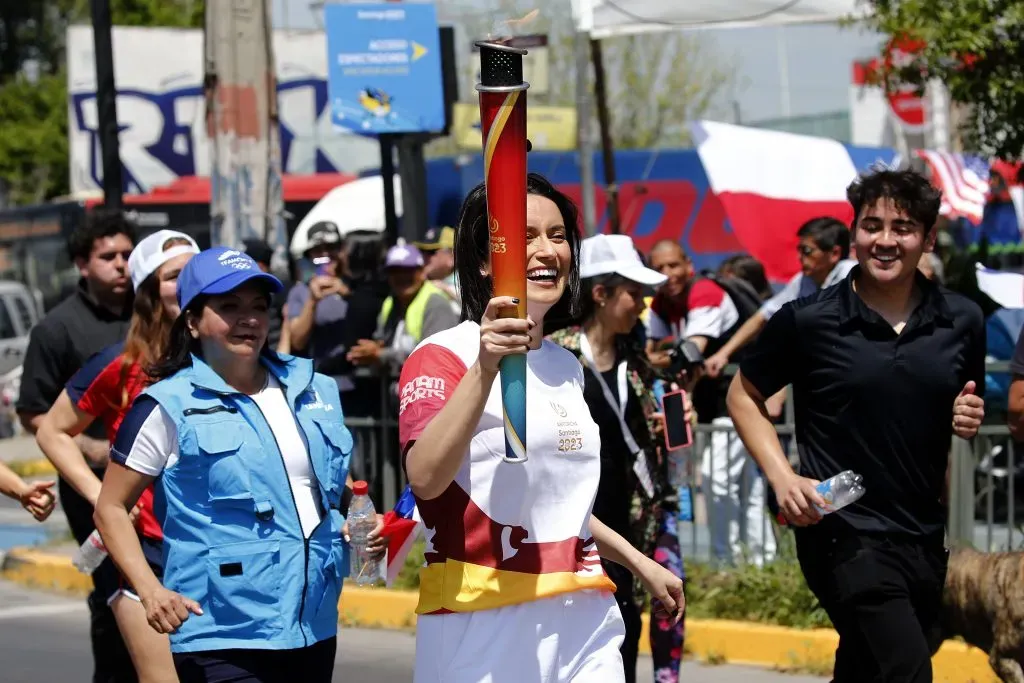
(149, 254)
(606, 254)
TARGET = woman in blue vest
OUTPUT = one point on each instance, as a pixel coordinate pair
(249, 456)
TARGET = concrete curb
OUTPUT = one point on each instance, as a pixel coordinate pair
(711, 640)
(32, 468)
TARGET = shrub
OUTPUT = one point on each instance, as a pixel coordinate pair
(409, 577)
(773, 594)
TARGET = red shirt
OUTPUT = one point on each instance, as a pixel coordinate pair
(105, 389)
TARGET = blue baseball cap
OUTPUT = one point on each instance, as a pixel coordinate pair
(218, 271)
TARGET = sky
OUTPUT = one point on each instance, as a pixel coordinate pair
(817, 59)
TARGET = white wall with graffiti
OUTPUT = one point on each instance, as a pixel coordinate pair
(160, 111)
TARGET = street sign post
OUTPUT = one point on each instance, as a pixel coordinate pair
(384, 68)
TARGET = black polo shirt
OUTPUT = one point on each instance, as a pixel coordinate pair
(873, 401)
(59, 345)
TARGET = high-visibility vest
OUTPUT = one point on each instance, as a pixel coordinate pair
(414, 313)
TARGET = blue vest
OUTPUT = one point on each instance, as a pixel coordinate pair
(232, 537)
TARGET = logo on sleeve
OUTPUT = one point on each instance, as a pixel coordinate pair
(420, 388)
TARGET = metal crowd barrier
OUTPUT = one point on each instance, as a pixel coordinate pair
(983, 492)
(731, 522)
(375, 455)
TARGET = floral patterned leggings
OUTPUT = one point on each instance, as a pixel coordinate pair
(666, 638)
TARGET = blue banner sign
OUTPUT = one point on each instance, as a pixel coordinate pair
(384, 67)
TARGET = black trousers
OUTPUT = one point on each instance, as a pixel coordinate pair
(111, 661)
(313, 664)
(884, 596)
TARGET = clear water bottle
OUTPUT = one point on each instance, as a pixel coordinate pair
(680, 476)
(659, 390)
(91, 555)
(362, 519)
(685, 504)
(840, 491)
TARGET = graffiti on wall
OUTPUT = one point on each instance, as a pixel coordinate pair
(161, 112)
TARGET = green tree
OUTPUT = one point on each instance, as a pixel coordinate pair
(657, 83)
(974, 47)
(33, 84)
(34, 137)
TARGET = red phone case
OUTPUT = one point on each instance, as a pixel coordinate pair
(689, 428)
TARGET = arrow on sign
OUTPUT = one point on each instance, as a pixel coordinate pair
(417, 50)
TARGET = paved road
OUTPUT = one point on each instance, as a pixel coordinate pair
(44, 637)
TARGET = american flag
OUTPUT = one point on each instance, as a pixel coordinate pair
(963, 180)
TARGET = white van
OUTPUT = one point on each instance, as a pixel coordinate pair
(19, 312)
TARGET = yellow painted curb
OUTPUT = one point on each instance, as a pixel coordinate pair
(378, 607)
(32, 468)
(45, 570)
(712, 640)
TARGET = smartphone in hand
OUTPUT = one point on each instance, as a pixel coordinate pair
(323, 265)
(678, 433)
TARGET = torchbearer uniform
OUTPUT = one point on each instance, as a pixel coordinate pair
(513, 582)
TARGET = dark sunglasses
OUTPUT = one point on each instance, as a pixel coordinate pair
(806, 249)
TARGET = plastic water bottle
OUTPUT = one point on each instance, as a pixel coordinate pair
(659, 390)
(91, 555)
(685, 504)
(840, 491)
(362, 519)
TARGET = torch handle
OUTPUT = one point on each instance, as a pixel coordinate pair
(503, 118)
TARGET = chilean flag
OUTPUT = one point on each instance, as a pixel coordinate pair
(770, 183)
(401, 527)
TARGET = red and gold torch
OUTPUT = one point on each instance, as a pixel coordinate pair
(503, 117)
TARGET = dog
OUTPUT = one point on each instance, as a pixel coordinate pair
(983, 603)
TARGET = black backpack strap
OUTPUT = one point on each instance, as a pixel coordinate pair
(744, 296)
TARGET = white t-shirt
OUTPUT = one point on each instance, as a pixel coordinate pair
(151, 445)
(506, 533)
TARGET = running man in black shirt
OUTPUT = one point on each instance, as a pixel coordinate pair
(885, 367)
(94, 317)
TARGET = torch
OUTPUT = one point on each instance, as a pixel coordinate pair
(503, 118)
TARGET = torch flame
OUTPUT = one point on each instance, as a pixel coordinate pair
(506, 29)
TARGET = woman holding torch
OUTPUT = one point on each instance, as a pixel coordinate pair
(513, 584)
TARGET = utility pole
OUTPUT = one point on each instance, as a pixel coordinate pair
(585, 133)
(106, 104)
(242, 123)
(583, 17)
(607, 149)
